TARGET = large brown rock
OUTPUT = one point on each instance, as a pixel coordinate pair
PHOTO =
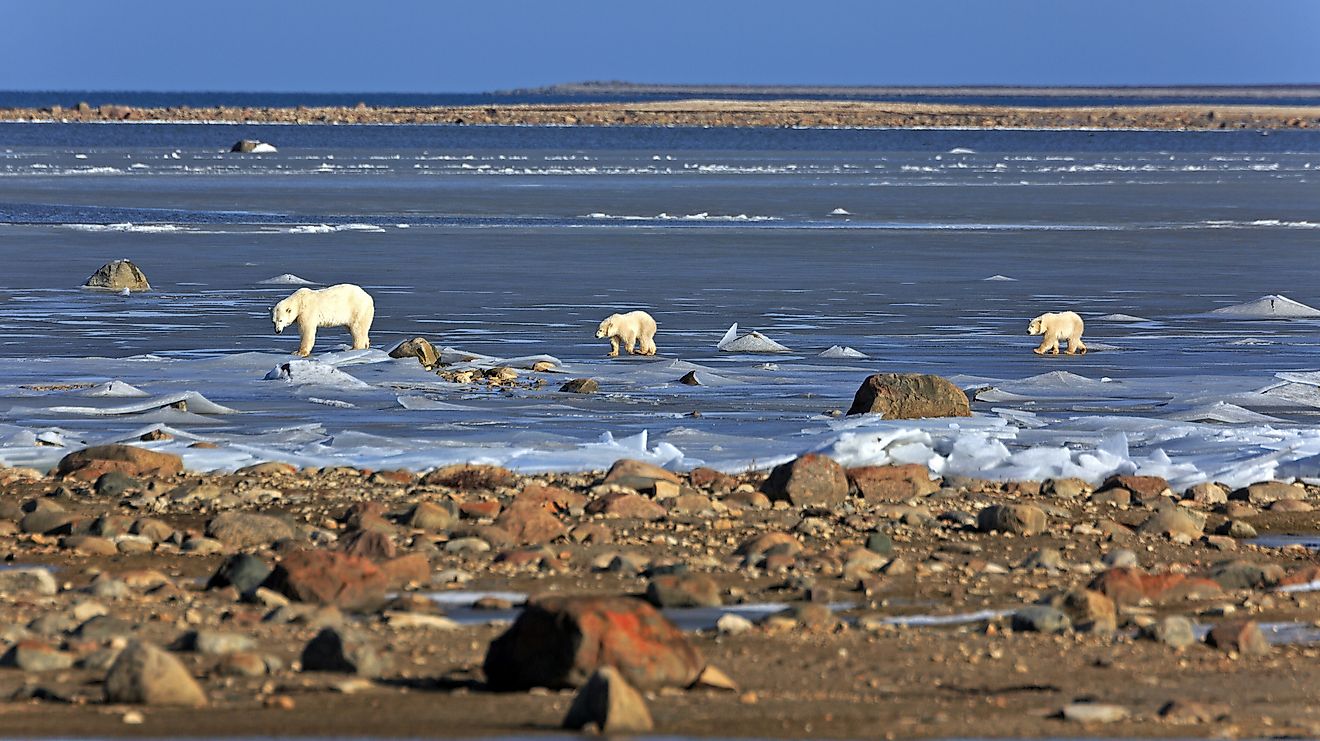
(248, 529)
(530, 523)
(118, 275)
(1019, 519)
(560, 641)
(417, 347)
(638, 475)
(811, 480)
(146, 674)
(89, 464)
(892, 483)
(329, 578)
(910, 396)
(1242, 636)
(469, 477)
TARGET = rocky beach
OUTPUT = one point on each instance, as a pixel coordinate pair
(697, 112)
(139, 598)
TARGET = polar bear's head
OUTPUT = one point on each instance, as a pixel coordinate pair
(286, 311)
(606, 327)
(1037, 325)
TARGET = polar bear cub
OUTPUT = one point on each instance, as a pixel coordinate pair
(344, 305)
(629, 329)
(1063, 325)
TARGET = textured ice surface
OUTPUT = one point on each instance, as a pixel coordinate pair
(839, 351)
(1268, 307)
(287, 279)
(752, 342)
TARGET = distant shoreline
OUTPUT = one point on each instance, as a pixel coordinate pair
(720, 113)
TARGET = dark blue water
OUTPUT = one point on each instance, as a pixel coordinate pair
(669, 139)
(1265, 95)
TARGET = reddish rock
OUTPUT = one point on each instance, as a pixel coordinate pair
(1304, 575)
(553, 498)
(1243, 637)
(811, 480)
(471, 478)
(1130, 586)
(330, 578)
(413, 568)
(530, 523)
(398, 476)
(891, 483)
(683, 590)
(359, 512)
(910, 396)
(89, 464)
(691, 504)
(712, 480)
(367, 544)
(619, 504)
(747, 500)
(560, 641)
(766, 543)
(638, 475)
(1144, 487)
(482, 510)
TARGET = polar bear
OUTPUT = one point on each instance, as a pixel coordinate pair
(344, 305)
(1063, 325)
(629, 329)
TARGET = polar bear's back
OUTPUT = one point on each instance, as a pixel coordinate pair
(640, 319)
(340, 304)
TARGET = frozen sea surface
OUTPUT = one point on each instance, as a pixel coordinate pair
(1190, 255)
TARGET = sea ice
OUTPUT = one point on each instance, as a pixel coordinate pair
(840, 212)
(998, 277)
(1272, 306)
(316, 373)
(115, 388)
(840, 351)
(286, 279)
(753, 342)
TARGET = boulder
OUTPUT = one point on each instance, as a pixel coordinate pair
(1243, 637)
(811, 480)
(330, 578)
(26, 582)
(417, 347)
(892, 483)
(611, 704)
(631, 506)
(560, 641)
(146, 674)
(530, 524)
(1174, 631)
(252, 146)
(683, 590)
(89, 464)
(580, 386)
(910, 396)
(337, 650)
(432, 516)
(243, 572)
(1020, 519)
(1130, 586)
(247, 529)
(638, 475)
(1173, 522)
(118, 276)
(468, 477)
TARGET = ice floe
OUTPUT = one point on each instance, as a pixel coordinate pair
(840, 351)
(286, 279)
(1268, 307)
(998, 277)
(752, 342)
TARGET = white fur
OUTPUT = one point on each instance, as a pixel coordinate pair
(1063, 325)
(344, 305)
(629, 329)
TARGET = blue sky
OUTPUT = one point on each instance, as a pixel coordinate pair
(482, 45)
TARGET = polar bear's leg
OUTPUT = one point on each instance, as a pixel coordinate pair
(359, 329)
(1044, 345)
(1075, 344)
(308, 332)
(631, 343)
(1054, 343)
(614, 347)
(648, 343)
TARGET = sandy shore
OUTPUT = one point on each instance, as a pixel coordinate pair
(781, 113)
(131, 557)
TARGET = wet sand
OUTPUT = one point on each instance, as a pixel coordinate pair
(734, 113)
(846, 674)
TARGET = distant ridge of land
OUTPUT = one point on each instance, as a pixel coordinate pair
(817, 113)
(620, 87)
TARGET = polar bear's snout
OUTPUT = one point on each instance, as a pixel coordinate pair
(1034, 327)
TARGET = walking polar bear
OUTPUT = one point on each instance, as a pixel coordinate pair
(629, 329)
(344, 305)
(1063, 325)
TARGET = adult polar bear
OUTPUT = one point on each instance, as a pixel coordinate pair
(344, 305)
(1063, 325)
(630, 329)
